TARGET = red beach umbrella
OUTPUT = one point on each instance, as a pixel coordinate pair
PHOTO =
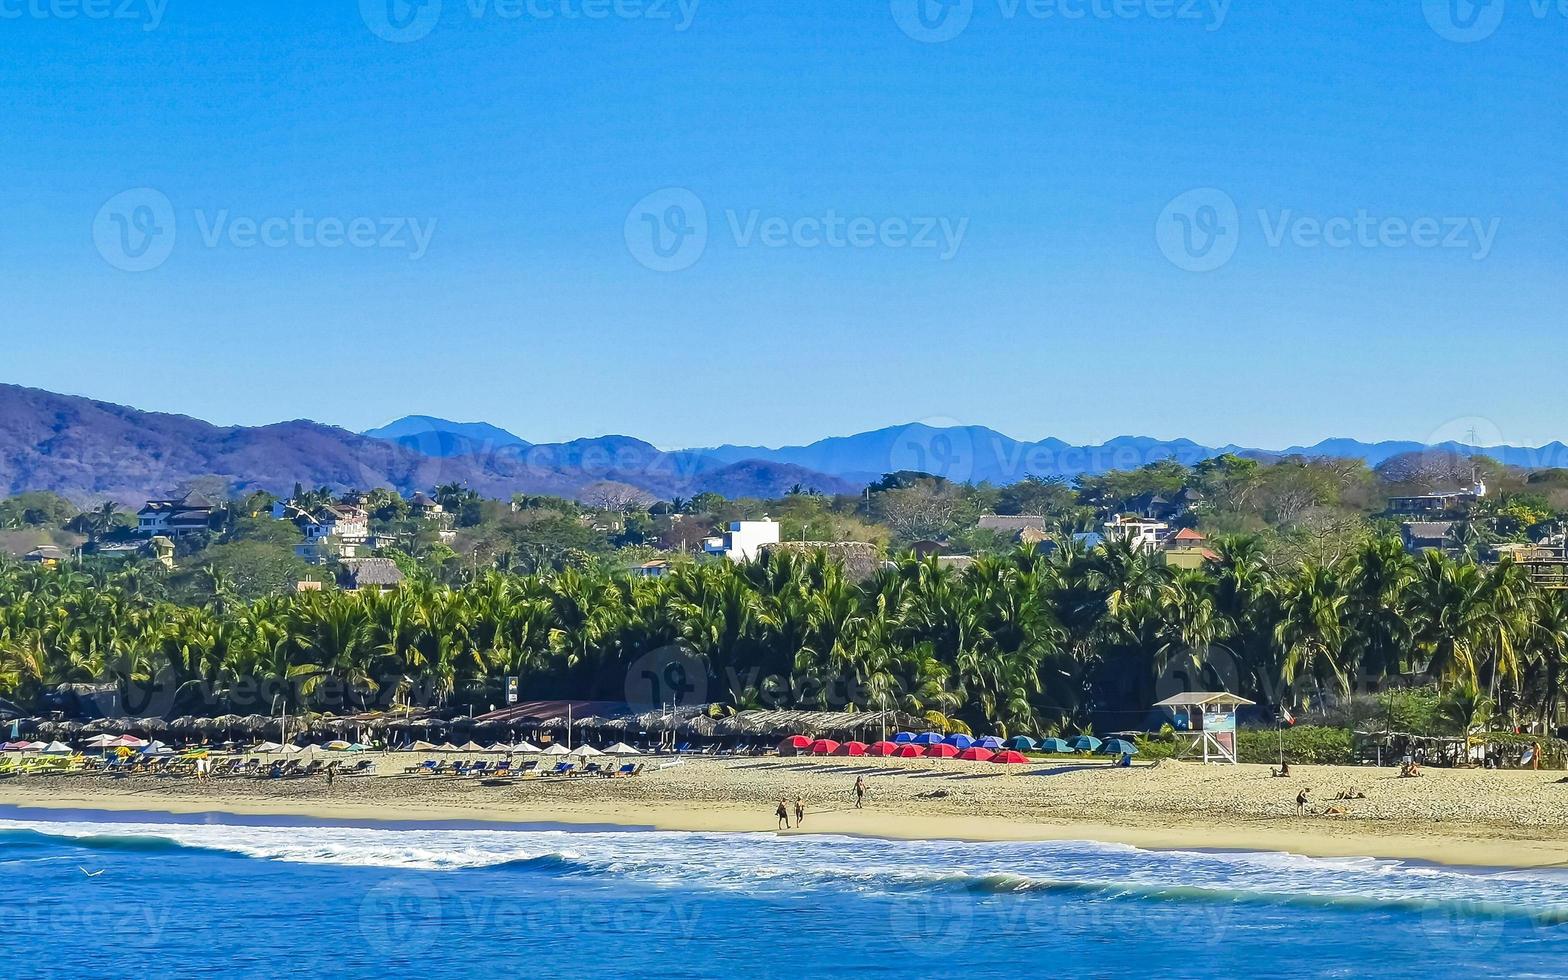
(851, 748)
(1010, 758)
(976, 754)
(941, 751)
(794, 745)
(824, 746)
(909, 752)
(883, 748)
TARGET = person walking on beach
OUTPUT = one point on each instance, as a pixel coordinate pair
(860, 791)
(800, 813)
(783, 814)
(1302, 800)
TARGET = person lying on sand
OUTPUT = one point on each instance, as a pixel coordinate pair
(1350, 794)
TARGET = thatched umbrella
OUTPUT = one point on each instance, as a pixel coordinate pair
(151, 725)
(700, 726)
(256, 724)
(98, 726)
(183, 724)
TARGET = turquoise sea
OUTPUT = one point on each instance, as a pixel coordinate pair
(143, 895)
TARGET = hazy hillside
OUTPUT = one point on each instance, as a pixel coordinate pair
(88, 449)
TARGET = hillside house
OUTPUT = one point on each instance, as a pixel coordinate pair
(744, 540)
(175, 516)
(381, 574)
(1187, 549)
(1454, 503)
(46, 555)
(1142, 533)
(1421, 536)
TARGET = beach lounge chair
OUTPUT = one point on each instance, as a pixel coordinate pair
(630, 769)
(364, 767)
(428, 765)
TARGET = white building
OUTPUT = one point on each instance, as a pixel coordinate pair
(1143, 533)
(744, 540)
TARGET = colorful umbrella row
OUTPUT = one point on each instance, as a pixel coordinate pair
(801, 745)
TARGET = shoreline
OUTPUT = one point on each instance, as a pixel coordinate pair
(388, 802)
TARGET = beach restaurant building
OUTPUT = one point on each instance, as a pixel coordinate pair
(1206, 722)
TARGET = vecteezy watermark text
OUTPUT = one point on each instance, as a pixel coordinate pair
(300, 230)
(136, 230)
(404, 21)
(1200, 230)
(934, 21)
(149, 13)
(669, 230)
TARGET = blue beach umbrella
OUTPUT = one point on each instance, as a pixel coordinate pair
(989, 742)
(958, 741)
(928, 738)
(1021, 743)
(904, 738)
(1119, 746)
(1055, 745)
(1085, 743)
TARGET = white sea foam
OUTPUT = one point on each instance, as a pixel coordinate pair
(765, 861)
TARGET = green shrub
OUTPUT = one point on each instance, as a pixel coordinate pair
(1304, 745)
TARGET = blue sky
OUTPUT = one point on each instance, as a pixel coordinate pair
(1009, 203)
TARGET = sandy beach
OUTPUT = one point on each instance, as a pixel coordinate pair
(1459, 817)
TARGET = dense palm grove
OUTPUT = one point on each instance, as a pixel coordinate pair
(1018, 643)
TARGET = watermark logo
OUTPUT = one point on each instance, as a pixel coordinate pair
(400, 21)
(135, 230)
(400, 918)
(667, 231)
(1464, 21)
(1198, 231)
(664, 676)
(940, 447)
(933, 21)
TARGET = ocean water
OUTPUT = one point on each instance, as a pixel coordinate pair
(98, 895)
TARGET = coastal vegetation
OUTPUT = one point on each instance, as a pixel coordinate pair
(1019, 642)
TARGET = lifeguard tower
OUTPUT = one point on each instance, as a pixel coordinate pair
(1206, 722)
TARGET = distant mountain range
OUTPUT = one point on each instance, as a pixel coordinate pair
(91, 450)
